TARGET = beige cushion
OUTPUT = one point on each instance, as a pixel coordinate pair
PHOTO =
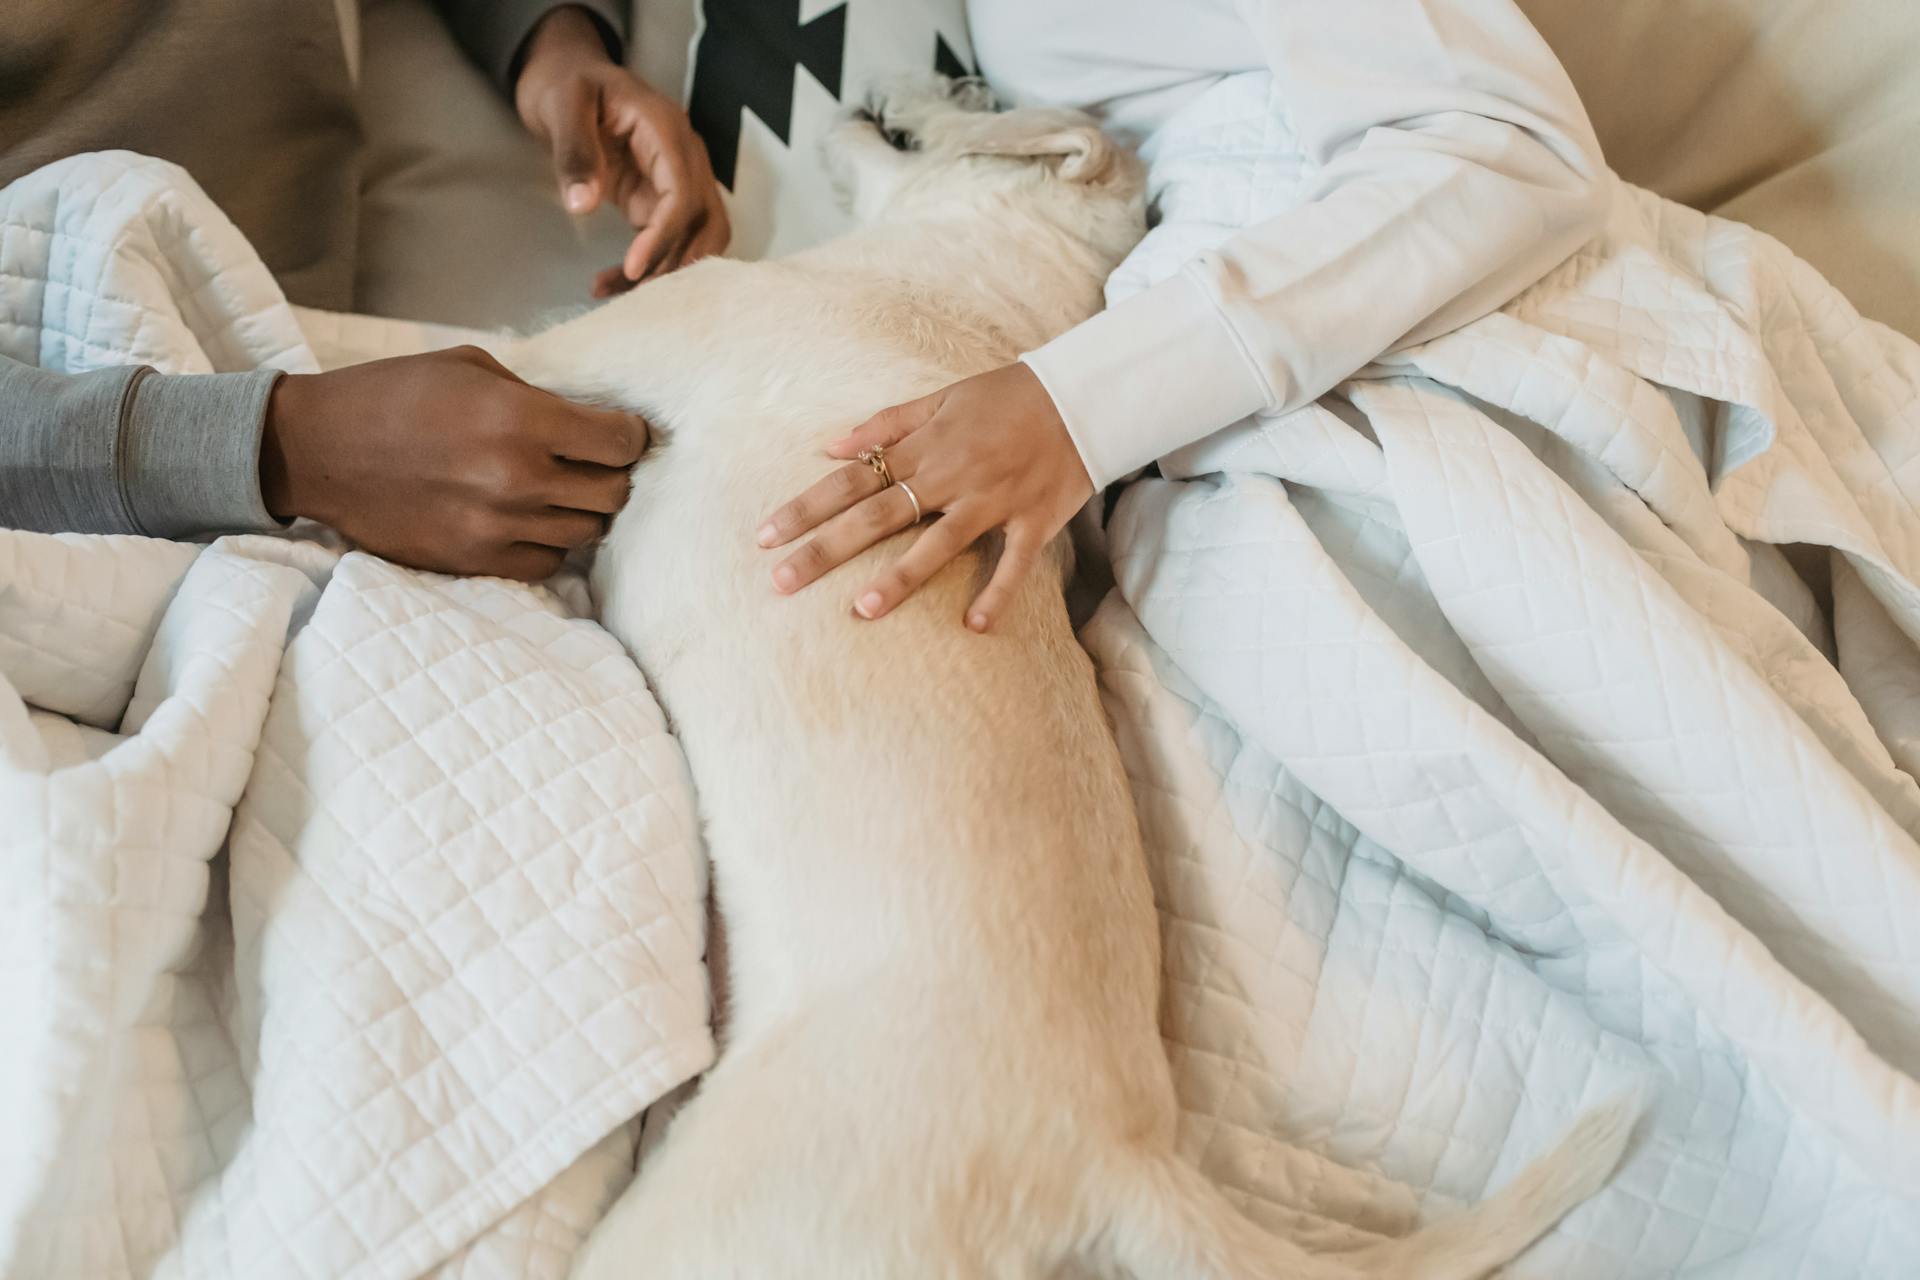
(1801, 117)
(460, 217)
(257, 108)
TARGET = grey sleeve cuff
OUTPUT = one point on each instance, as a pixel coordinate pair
(190, 453)
(492, 31)
(60, 449)
(128, 450)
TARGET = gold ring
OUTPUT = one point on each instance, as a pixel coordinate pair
(876, 458)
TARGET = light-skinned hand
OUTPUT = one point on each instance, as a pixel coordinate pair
(990, 452)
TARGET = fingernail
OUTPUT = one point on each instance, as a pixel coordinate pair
(768, 535)
(978, 621)
(869, 605)
(578, 197)
(783, 577)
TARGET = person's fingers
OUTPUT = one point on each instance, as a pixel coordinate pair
(667, 261)
(932, 551)
(1017, 557)
(604, 436)
(709, 230)
(711, 239)
(559, 527)
(717, 233)
(680, 253)
(824, 499)
(611, 281)
(662, 233)
(887, 427)
(526, 561)
(585, 486)
(665, 167)
(634, 193)
(702, 242)
(844, 537)
(579, 159)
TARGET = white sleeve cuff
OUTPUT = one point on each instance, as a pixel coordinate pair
(1136, 382)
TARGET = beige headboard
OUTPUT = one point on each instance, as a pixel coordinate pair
(1799, 116)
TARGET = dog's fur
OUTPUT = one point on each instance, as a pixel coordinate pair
(942, 1057)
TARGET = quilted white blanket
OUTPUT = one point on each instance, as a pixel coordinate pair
(396, 1022)
(1491, 755)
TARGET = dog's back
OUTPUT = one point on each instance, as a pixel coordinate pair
(943, 961)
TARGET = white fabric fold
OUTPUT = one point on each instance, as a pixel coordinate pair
(1490, 755)
(348, 914)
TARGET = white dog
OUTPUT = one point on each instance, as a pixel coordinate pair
(943, 1057)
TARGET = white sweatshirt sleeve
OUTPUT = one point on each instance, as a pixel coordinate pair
(1449, 166)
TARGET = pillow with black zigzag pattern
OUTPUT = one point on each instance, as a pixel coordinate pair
(766, 80)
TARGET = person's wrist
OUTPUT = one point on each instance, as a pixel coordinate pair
(564, 42)
(287, 487)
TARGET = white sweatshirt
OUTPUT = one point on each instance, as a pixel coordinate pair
(1449, 165)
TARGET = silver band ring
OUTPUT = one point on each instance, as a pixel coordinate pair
(907, 489)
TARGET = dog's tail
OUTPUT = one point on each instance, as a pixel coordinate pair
(1173, 1224)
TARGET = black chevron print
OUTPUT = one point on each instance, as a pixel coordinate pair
(749, 50)
(746, 61)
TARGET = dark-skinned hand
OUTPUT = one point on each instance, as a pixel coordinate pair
(617, 140)
(446, 461)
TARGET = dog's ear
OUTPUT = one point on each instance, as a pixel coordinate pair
(1071, 144)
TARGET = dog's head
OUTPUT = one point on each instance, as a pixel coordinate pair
(930, 144)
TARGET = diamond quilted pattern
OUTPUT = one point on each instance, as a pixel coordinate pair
(463, 872)
(1490, 759)
(351, 914)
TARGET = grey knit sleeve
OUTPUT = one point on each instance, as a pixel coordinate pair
(128, 450)
(492, 31)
